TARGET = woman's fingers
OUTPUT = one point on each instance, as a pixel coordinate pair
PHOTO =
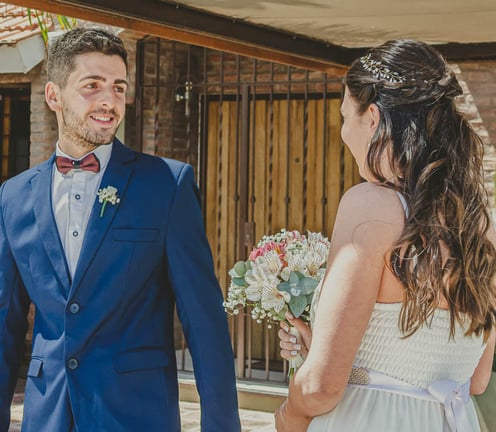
(303, 328)
(287, 354)
(285, 336)
(289, 344)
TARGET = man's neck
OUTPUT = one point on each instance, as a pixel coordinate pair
(76, 151)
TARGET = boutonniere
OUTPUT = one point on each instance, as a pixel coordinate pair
(107, 195)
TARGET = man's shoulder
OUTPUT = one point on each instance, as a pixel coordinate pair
(171, 166)
(24, 178)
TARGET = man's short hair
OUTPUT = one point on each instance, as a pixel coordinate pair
(64, 50)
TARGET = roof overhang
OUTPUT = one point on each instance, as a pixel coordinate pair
(21, 56)
(216, 26)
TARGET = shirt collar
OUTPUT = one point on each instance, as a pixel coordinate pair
(102, 152)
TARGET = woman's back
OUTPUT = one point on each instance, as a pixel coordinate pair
(426, 356)
(399, 366)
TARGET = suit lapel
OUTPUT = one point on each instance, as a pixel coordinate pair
(117, 174)
(43, 210)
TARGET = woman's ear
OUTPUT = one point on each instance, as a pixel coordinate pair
(52, 96)
(374, 115)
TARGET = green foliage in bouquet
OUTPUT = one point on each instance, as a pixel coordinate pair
(281, 274)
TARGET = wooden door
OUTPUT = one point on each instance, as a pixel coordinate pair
(296, 172)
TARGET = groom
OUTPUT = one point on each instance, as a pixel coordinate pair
(104, 241)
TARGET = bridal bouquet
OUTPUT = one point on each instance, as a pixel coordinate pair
(280, 274)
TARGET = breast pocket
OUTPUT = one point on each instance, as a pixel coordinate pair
(35, 367)
(141, 235)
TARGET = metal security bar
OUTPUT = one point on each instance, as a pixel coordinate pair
(264, 140)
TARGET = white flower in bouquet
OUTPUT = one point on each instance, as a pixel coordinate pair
(280, 274)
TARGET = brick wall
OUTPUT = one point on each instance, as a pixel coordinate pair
(171, 108)
(480, 79)
(43, 123)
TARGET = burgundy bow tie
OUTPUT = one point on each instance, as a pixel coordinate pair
(89, 162)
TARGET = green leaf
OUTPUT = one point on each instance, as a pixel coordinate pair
(298, 305)
(29, 16)
(240, 268)
(239, 281)
(294, 279)
(44, 18)
(281, 316)
(307, 285)
(284, 286)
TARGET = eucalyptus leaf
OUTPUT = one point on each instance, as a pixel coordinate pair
(310, 298)
(284, 286)
(240, 268)
(294, 279)
(239, 281)
(307, 285)
(298, 305)
(232, 273)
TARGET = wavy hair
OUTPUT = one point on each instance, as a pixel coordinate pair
(436, 158)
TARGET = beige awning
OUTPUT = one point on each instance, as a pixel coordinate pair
(21, 44)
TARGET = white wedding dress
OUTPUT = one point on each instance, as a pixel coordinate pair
(426, 357)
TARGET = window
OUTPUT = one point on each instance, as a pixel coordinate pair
(14, 130)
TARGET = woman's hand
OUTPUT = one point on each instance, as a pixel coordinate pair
(287, 422)
(293, 343)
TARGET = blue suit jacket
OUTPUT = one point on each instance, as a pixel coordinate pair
(103, 357)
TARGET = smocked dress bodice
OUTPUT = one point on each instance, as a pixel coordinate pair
(426, 356)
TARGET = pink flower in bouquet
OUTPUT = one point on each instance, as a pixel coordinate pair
(267, 247)
(281, 274)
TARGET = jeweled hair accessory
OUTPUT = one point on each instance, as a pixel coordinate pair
(379, 71)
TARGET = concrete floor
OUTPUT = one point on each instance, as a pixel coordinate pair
(251, 421)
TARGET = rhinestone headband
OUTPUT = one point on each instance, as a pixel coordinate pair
(379, 71)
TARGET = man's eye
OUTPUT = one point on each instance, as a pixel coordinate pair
(90, 85)
(120, 89)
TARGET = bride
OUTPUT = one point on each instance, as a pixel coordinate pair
(404, 325)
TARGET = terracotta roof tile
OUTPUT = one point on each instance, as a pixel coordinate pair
(14, 24)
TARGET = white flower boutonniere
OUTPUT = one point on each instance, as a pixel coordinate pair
(107, 195)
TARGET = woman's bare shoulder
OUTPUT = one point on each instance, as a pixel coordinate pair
(372, 212)
(377, 200)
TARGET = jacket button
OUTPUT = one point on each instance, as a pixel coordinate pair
(74, 308)
(72, 363)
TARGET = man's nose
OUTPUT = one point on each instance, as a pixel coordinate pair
(107, 98)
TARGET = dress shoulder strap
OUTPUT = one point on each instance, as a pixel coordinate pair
(403, 202)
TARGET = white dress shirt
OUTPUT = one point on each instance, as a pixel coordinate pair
(73, 196)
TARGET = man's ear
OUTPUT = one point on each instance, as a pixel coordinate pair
(52, 96)
(374, 116)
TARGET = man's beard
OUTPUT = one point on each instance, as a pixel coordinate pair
(80, 133)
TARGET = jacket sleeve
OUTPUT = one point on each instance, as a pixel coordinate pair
(199, 305)
(14, 305)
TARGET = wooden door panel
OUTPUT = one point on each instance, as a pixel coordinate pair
(298, 170)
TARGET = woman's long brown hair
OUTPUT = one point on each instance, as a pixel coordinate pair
(444, 250)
